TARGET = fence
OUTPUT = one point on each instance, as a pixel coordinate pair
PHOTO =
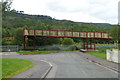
(105, 45)
(59, 47)
(14, 48)
(9, 48)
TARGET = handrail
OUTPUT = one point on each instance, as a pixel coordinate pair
(66, 33)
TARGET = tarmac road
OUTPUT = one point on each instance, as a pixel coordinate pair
(70, 65)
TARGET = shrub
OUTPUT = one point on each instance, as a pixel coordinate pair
(103, 49)
(118, 46)
(72, 48)
(68, 41)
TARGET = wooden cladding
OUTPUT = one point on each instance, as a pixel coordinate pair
(63, 33)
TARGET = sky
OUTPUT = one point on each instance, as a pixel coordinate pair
(95, 11)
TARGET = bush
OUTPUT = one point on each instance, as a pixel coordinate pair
(73, 48)
(42, 49)
(54, 48)
(103, 49)
(118, 46)
(68, 41)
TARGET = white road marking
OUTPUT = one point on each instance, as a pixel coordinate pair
(47, 71)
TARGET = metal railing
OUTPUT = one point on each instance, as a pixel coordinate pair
(66, 33)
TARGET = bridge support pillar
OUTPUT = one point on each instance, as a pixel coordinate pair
(25, 42)
(32, 44)
(90, 44)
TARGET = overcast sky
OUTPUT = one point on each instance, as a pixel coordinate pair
(97, 11)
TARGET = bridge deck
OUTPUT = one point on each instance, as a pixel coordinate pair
(65, 33)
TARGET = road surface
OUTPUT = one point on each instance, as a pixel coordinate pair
(70, 65)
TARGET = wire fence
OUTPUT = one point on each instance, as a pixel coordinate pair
(59, 47)
(105, 45)
(9, 48)
(15, 48)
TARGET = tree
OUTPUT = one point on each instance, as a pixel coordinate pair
(6, 5)
(115, 34)
(42, 41)
(19, 36)
(5, 32)
(68, 41)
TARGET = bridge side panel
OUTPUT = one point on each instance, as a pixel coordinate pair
(64, 33)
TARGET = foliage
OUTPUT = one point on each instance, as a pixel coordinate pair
(115, 32)
(6, 5)
(19, 36)
(119, 46)
(4, 41)
(41, 41)
(68, 41)
(73, 48)
(103, 49)
(14, 21)
(11, 67)
(59, 48)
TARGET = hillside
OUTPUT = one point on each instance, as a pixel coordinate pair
(14, 19)
(14, 22)
(107, 25)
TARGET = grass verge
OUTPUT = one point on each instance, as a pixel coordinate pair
(101, 53)
(97, 54)
(11, 67)
(37, 52)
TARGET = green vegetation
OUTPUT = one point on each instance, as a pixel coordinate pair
(39, 52)
(11, 67)
(97, 54)
(101, 53)
(15, 21)
(103, 49)
(115, 33)
(68, 41)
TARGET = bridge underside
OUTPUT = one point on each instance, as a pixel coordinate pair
(89, 38)
(88, 43)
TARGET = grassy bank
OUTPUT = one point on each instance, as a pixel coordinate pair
(101, 53)
(11, 67)
(37, 52)
(97, 54)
